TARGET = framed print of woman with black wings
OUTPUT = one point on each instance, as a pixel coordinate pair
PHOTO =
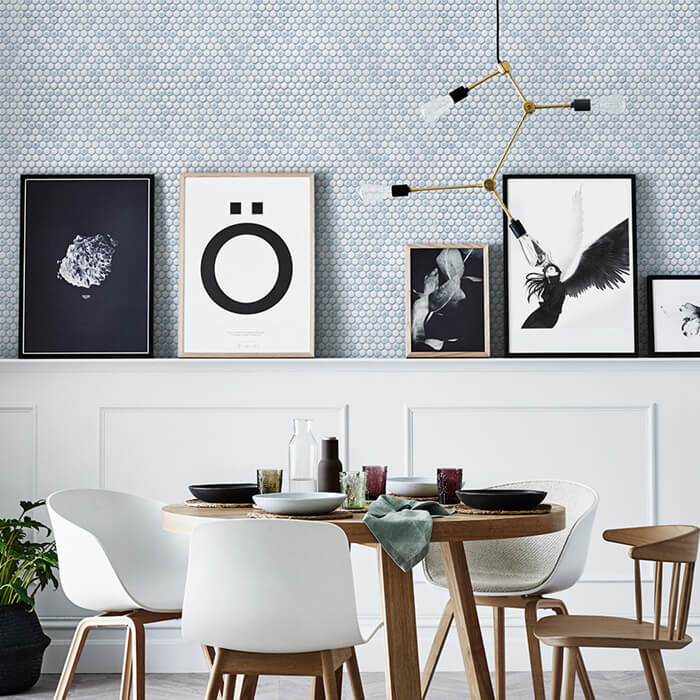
(582, 301)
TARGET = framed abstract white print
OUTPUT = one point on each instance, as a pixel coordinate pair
(674, 315)
(582, 299)
(246, 265)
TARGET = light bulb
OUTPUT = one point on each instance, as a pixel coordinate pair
(374, 193)
(535, 256)
(433, 110)
(608, 104)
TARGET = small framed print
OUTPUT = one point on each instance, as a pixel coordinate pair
(582, 301)
(674, 315)
(246, 265)
(86, 266)
(447, 300)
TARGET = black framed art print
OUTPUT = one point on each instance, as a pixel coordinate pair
(582, 300)
(674, 315)
(86, 266)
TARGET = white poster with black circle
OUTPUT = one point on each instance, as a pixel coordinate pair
(246, 265)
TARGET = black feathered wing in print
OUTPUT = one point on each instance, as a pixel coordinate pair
(603, 265)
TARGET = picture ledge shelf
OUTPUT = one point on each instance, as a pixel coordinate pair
(346, 364)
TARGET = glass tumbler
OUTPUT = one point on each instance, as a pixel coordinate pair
(270, 480)
(449, 481)
(353, 485)
(376, 482)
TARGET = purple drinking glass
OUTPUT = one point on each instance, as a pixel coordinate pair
(376, 482)
(449, 481)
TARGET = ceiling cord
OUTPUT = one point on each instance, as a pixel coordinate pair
(498, 32)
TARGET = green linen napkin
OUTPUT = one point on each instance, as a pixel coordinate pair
(403, 528)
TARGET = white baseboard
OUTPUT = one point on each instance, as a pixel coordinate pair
(167, 653)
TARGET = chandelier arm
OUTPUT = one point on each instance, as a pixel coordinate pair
(503, 206)
(483, 80)
(447, 187)
(515, 85)
(510, 144)
(567, 105)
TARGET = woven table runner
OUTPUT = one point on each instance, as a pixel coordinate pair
(196, 503)
(414, 498)
(466, 510)
(335, 515)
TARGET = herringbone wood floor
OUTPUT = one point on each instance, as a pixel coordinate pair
(446, 686)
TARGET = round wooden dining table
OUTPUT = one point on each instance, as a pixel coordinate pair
(398, 603)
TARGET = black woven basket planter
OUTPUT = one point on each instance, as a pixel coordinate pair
(22, 645)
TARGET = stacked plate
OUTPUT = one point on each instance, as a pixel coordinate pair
(314, 503)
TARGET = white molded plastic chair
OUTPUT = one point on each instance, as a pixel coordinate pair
(518, 572)
(114, 557)
(273, 596)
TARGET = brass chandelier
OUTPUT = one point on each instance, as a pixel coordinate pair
(436, 108)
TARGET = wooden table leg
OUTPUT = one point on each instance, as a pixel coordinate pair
(400, 634)
(467, 620)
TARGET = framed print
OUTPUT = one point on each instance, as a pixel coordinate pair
(674, 315)
(246, 265)
(447, 300)
(582, 301)
(86, 266)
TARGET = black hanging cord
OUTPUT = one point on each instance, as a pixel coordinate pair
(498, 32)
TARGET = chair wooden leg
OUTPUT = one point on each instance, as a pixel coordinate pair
(533, 645)
(569, 673)
(649, 674)
(245, 687)
(125, 691)
(74, 652)
(215, 677)
(581, 671)
(138, 637)
(355, 680)
(499, 651)
(436, 648)
(329, 678)
(557, 659)
(657, 667)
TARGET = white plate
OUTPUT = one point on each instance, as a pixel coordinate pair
(417, 486)
(314, 503)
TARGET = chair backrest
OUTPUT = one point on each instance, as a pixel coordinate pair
(105, 541)
(270, 586)
(675, 544)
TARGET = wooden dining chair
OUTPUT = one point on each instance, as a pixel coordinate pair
(673, 544)
(115, 558)
(520, 573)
(274, 597)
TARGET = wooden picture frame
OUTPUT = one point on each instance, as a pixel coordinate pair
(86, 266)
(683, 316)
(276, 212)
(472, 306)
(597, 202)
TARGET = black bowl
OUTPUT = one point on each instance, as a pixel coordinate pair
(501, 499)
(224, 493)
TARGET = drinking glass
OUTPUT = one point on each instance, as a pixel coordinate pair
(353, 485)
(376, 482)
(449, 481)
(270, 480)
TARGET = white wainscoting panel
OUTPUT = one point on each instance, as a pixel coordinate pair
(626, 427)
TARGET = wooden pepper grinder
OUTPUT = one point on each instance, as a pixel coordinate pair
(330, 466)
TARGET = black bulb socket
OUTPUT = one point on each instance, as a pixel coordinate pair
(400, 190)
(581, 105)
(517, 228)
(458, 94)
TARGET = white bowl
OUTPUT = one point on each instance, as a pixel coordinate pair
(313, 503)
(416, 486)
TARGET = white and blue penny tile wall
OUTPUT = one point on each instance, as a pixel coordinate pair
(333, 87)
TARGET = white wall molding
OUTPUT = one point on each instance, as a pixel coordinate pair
(152, 426)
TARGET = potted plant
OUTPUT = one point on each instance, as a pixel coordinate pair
(26, 567)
